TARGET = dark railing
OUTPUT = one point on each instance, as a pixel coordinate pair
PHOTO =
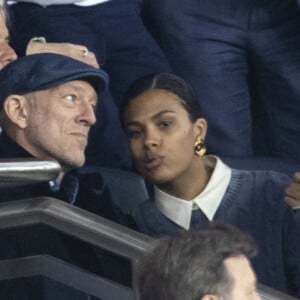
(66, 274)
(84, 226)
(74, 221)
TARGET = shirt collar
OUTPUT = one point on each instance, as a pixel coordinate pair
(180, 211)
(67, 190)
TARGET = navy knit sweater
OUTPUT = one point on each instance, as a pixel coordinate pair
(254, 203)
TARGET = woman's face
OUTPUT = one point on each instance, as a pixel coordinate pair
(162, 136)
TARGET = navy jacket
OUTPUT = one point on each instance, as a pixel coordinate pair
(254, 203)
(83, 189)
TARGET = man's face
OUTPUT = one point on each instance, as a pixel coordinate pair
(7, 54)
(58, 122)
(243, 278)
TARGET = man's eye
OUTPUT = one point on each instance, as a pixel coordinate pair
(70, 98)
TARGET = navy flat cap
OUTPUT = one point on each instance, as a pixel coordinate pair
(42, 71)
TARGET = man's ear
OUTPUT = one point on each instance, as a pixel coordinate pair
(200, 128)
(16, 110)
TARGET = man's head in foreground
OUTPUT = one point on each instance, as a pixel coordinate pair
(209, 264)
(48, 105)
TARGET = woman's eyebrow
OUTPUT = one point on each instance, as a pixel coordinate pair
(154, 117)
(133, 123)
(159, 114)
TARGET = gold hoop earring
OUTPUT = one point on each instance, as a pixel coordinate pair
(199, 147)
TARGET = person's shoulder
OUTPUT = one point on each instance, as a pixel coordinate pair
(262, 177)
(151, 221)
(262, 188)
(127, 189)
(146, 209)
(148, 217)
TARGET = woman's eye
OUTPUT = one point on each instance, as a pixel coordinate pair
(164, 124)
(133, 133)
(70, 98)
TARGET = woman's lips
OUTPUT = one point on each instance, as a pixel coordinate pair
(153, 162)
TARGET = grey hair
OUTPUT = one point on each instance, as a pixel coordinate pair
(191, 264)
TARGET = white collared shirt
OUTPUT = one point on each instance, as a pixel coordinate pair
(180, 211)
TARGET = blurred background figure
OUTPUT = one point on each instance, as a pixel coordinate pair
(243, 59)
(112, 29)
(208, 264)
(7, 54)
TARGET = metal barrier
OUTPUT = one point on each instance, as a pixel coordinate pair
(75, 222)
(23, 171)
(87, 227)
(66, 274)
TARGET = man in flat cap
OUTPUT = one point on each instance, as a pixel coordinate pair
(107, 143)
(47, 104)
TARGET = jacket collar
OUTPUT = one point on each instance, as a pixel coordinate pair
(10, 149)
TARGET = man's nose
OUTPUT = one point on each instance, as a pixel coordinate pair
(88, 114)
